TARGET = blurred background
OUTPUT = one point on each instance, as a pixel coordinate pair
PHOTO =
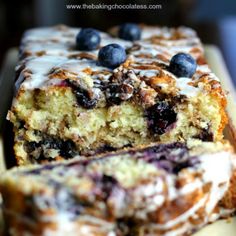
(215, 21)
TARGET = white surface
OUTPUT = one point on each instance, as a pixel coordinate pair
(220, 228)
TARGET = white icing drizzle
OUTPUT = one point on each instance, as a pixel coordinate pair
(40, 67)
(168, 49)
(189, 188)
(76, 66)
(58, 45)
(66, 226)
(50, 34)
(148, 32)
(218, 174)
(182, 84)
(109, 40)
(147, 73)
(183, 217)
(52, 41)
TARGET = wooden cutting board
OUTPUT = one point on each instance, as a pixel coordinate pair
(214, 58)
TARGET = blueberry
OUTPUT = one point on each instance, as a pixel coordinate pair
(166, 165)
(183, 65)
(105, 185)
(112, 55)
(84, 97)
(31, 146)
(160, 116)
(171, 157)
(205, 135)
(112, 94)
(88, 39)
(67, 149)
(130, 31)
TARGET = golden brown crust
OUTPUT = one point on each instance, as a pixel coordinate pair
(229, 201)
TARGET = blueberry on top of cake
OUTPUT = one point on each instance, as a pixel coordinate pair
(112, 55)
(130, 31)
(88, 39)
(183, 65)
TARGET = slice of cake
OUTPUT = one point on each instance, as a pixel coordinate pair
(161, 190)
(85, 92)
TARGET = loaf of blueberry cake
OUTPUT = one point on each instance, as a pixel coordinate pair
(82, 91)
(164, 189)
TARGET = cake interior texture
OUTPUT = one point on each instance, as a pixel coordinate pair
(154, 190)
(66, 104)
(57, 122)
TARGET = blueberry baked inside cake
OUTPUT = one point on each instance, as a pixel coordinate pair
(82, 92)
(164, 189)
